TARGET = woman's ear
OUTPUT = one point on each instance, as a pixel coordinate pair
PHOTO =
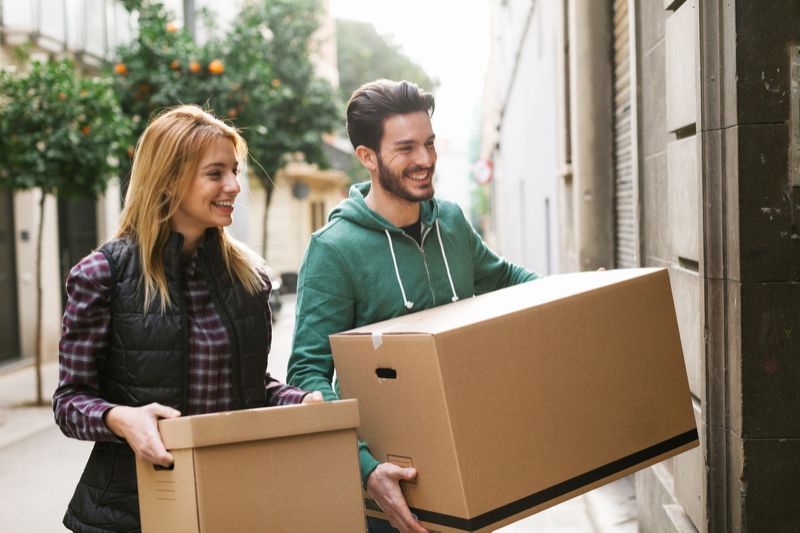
(368, 158)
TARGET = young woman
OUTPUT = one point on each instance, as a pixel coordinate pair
(170, 317)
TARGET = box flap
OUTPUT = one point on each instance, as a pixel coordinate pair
(499, 303)
(257, 424)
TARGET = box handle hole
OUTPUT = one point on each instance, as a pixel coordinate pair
(386, 373)
(159, 467)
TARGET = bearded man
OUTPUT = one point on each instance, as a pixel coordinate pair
(389, 249)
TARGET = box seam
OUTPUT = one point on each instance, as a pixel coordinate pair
(463, 495)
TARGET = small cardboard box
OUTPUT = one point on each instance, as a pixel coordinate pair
(516, 400)
(289, 468)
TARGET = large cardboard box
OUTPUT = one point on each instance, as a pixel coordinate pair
(513, 401)
(290, 468)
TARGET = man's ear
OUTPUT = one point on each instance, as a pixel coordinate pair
(368, 158)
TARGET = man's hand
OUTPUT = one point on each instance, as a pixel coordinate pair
(139, 427)
(383, 486)
(312, 397)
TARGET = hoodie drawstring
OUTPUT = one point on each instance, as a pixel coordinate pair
(408, 304)
(446, 266)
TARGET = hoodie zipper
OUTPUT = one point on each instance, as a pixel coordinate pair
(424, 257)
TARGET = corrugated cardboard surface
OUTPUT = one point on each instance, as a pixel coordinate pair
(513, 401)
(292, 468)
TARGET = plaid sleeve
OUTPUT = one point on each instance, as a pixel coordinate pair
(277, 393)
(77, 404)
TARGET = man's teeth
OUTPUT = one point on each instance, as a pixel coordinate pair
(418, 176)
(223, 204)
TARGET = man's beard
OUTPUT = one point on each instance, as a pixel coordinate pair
(393, 183)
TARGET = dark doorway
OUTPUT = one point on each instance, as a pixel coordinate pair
(9, 323)
(77, 234)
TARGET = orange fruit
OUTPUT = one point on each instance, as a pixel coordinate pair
(172, 27)
(121, 69)
(216, 67)
(276, 83)
(175, 65)
(194, 66)
(86, 129)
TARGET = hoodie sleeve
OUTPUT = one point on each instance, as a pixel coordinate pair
(325, 300)
(493, 272)
(325, 303)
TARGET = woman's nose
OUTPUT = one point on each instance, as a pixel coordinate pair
(232, 184)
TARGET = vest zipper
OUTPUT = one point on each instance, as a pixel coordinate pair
(216, 295)
(424, 257)
(181, 303)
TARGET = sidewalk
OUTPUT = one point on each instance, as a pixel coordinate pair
(39, 466)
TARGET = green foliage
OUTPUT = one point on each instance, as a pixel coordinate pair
(363, 56)
(163, 67)
(290, 107)
(59, 130)
(259, 76)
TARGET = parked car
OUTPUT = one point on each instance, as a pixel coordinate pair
(275, 295)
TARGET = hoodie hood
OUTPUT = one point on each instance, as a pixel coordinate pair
(355, 209)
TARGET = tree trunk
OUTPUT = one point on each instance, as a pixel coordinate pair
(268, 186)
(38, 334)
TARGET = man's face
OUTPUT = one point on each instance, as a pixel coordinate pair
(407, 157)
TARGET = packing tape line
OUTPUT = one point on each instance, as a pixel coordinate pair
(377, 341)
(552, 492)
(377, 335)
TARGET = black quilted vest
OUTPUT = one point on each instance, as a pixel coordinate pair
(147, 361)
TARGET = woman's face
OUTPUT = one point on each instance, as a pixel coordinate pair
(208, 200)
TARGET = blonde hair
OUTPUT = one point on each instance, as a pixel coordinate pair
(164, 163)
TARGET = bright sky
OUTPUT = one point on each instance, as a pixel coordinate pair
(450, 40)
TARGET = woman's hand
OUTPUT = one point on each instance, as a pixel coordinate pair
(139, 427)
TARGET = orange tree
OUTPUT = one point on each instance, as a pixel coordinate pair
(59, 131)
(258, 75)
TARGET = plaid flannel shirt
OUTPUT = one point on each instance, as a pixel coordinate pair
(77, 403)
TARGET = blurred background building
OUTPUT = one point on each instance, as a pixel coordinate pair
(89, 31)
(664, 133)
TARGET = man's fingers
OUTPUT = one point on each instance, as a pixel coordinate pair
(409, 523)
(402, 474)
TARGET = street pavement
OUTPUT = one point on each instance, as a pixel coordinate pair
(39, 466)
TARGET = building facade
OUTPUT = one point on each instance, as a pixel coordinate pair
(676, 134)
(89, 31)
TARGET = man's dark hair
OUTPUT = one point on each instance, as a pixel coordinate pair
(372, 103)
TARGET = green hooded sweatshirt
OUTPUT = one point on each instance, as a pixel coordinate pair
(360, 269)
